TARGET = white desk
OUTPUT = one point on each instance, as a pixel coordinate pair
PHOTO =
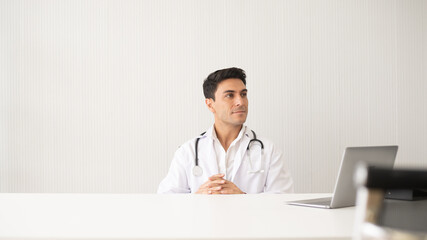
(151, 216)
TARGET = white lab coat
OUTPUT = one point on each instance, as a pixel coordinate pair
(247, 176)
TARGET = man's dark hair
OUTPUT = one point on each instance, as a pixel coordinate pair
(211, 82)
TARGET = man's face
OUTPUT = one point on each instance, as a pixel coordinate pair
(231, 103)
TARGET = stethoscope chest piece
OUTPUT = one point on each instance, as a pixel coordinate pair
(197, 171)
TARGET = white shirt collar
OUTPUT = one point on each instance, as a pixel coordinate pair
(212, 133)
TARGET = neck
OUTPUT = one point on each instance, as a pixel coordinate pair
(226, 134)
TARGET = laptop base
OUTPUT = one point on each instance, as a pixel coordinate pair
(317, 203)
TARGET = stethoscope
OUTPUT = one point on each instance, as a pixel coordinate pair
(198, 171)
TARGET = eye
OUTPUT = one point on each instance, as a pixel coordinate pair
(230, 95)
(244, 94)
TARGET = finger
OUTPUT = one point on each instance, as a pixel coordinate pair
(216, 176)
(217, 188)
(211, 183)
(213, 192)
(216, 183)
(204, 187)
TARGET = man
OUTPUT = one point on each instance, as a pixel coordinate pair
(228, 158)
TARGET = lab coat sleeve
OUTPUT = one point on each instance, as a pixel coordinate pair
(279, 179)
(176, 179)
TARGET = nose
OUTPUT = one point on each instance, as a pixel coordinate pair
(239, 101)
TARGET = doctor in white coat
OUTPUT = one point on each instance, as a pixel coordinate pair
(227, 162)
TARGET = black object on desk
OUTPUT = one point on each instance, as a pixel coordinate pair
(406, 194)
(402, 184)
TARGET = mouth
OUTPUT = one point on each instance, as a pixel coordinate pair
(239, 112)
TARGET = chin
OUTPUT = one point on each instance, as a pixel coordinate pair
(240, 122)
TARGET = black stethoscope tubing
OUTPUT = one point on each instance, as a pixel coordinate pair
(255, 139)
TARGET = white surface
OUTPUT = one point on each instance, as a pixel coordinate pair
(96, 96)
(186, 216)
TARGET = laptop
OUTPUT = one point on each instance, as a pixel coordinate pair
(345, 190)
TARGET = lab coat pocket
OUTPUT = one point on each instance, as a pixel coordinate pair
(255, 163)
(253, 172)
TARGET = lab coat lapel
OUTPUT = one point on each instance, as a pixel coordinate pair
(212, 162)
(240, 153)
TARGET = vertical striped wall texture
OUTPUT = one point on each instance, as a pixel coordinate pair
(95, 96)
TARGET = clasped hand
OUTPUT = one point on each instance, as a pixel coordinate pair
(218, 185)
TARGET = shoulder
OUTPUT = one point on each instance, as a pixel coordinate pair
(192, 142)
(188, 148)
(190, 145)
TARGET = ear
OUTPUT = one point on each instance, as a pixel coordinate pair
(210, 103)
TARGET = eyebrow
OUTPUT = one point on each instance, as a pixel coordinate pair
(232, 91)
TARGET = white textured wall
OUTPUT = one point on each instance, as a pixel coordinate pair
(95, 96)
